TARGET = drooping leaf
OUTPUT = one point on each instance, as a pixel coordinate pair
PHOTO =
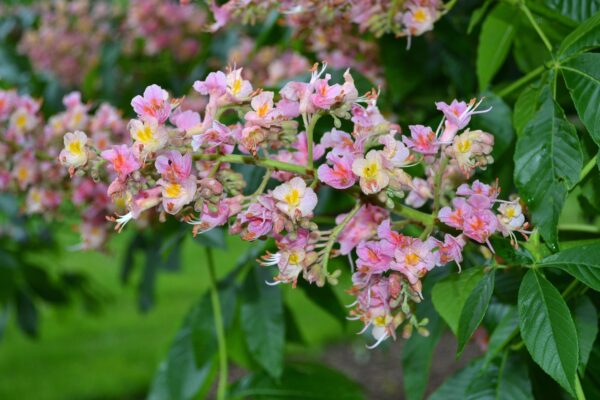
(27, 314)
(474, 310)
(591, 379)
(450, 295)
(502, 335)
(505, 379)
(585, 37)
(548, 330)
(508, 253)
(455, 387)
(263, 321)
(495, 39)
(582, 262)
(577, 10)
(417, 353)
(179, 376)
(585, 316)
(548, 160)
(582, 76)
(477, 15)
(298, 381)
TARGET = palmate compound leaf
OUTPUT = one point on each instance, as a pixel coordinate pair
(582, 76)
(548, 160)
(582, 262)
(548, 329)
(584, 38)
(577, 10)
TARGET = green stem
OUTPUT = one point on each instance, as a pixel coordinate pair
(569, 289)
(263, 183)
(412, 214)
(579, 228)
(437, 189)
(588, 167)
(578, 389)
(335, 233)
(309, 138)
(522, 81)
(536, 26)
(267, 163)
(219, 327)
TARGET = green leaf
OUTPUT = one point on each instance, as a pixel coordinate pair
(27, 314)
(582, 76)
(582, 262)
(417, 353)
(525, 108)
(578, 10)
(477, 16)
(204, 336)
(510, 255)
(548, 161)
(496, 36)
(179, 376)
(585, 316)
(299, 381)
(263, 321)
(455, 387)
(505, 331)
(214, 238)
(497, 122)
(474, 310)
(548, 329)
(585, 37)
(506, 379)
(450, 294)
(325, 298)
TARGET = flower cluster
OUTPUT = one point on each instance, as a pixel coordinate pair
(407, 18)
(184, 163)
(69, 38)
(165, 25)
(32, 152)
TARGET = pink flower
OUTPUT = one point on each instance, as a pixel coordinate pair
(337, 139)
(122, 160)
(74, 153)
(258, 218)
(148, 135)
(489, 191)
(362, 226)
(394, 153)
(422, 140)
(186, 120)
(414, 260)
(217, 135)
(214, 85)
(294, 199)
(372, 258)
(458, 115)
(480, 225)
(419, 20)
(455, 218)
(154, 104)
(325, 96)
(173, 166)
(144, 200)
(470, 150)
(449, 250)
(421, 191)
(263, 113)
(292, 257)
(339, 175)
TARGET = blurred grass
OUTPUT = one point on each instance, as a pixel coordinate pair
(114, 355)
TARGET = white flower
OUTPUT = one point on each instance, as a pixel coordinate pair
(373, 177)
(295, 199)
(149, 134)
(74, 154)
